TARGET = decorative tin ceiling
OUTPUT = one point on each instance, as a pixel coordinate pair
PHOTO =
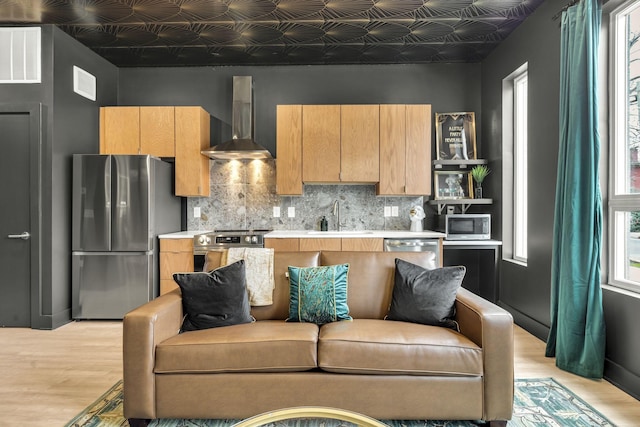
(268, 32)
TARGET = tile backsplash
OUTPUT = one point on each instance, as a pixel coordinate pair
(243, 195)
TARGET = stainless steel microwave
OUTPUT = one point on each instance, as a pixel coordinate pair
(468, 227)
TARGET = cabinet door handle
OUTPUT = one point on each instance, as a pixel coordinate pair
(24, 236)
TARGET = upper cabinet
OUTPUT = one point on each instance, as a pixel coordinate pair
(289, 150)
(385, 144)
(321, 143)
(340, 143)
(193, 134)
(137, 130)
(359, 143)
(405, 150)
(157, 130)
(120, 130)
(180, 132)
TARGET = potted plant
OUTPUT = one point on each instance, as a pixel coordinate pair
(479, 173)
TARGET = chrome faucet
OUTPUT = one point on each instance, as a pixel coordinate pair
(336, 213)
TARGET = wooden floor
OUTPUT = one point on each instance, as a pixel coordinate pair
(48, 377)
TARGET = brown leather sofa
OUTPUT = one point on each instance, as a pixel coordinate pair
(380, 368)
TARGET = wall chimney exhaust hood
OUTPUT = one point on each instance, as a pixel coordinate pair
(242, 145)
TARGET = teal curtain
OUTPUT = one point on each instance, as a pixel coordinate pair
(577, 335)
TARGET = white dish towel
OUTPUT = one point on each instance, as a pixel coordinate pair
(259, 270)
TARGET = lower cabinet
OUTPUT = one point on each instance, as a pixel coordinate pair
(283, 245)
(325, 244)
(176, 256)
(319, 244)
(482, 262)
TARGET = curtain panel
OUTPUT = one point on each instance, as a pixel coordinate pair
(577, 334)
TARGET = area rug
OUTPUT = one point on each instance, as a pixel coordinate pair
(537, 403)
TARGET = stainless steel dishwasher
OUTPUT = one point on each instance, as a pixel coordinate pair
(415, 245)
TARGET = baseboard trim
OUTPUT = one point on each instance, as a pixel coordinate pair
(48, 321)
(622, 378)
(528, 323)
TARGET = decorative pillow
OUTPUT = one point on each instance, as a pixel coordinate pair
(318, 294)
(213, 299)
(425, 296)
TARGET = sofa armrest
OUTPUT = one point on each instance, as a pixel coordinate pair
(143, 328)
(491, 328)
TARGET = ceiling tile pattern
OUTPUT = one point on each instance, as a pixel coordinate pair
(273, 32)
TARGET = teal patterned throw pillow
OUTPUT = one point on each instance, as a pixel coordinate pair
(318, 294)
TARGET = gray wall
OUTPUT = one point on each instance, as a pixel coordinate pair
(447, 87)
(70, 126)
(525, 291)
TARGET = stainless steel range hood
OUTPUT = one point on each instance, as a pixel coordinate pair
(242, 146)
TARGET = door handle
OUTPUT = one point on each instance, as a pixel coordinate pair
(24, 236)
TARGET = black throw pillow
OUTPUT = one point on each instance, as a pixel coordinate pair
(425, 296)
(213, 299)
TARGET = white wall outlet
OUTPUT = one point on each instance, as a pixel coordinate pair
(387, 211)
(291, 211)
(196, 212)
(276, 211)
(394, 211)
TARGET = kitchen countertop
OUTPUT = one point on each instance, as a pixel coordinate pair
(181, 234)
(453, 243)
(384, 234)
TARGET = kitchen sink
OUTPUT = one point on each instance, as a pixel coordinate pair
(340, 233)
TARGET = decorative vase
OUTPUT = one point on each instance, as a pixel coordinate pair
(478, 193)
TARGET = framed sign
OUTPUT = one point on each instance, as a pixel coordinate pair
(452, 185)
(455, 136)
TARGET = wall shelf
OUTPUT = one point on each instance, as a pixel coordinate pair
(463, 203)
(462, 164)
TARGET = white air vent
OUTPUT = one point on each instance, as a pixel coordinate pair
(20, 58)
(84, 83)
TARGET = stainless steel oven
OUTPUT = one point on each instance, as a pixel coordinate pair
(224, 239)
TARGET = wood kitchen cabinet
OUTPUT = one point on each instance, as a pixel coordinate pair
(137, 130)
(405, 150)
(364, 244)
(289, 150)
(359, 143)
(175, 132)
(340, 143)
(120, 130)
(283, 245)
(321, 143)
(192, 136)
(157, 131)
(176, 256)
(320, 244)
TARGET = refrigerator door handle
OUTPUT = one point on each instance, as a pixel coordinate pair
(81, 253)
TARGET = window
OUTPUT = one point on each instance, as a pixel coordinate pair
(515, 187)
(624, 145)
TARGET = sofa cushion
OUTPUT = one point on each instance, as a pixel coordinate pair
(318, 294)
(425, 296)
(213, 299)
(371, 346)
(279, 310)
(371, 278)
(263, 346)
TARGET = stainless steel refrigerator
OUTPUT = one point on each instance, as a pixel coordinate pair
(120, 205)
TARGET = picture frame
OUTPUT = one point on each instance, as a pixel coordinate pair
(452, 185)
(456, 136)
